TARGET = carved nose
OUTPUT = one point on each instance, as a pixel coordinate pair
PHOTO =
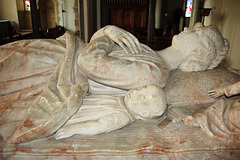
(187, 29)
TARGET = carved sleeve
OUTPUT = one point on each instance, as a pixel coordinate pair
(232, 89)
(104, 124)
(95, 62)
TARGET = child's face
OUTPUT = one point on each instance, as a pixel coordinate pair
(146, 102)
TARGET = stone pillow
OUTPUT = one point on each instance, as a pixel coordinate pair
(190, 88)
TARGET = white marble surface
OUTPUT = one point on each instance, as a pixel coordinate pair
(142, 139)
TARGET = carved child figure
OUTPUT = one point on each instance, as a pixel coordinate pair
(106, 113)
(222, 119)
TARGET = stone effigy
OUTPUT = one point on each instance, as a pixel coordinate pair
(113, 75)
(69, 83)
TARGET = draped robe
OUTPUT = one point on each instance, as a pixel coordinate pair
(43, 82)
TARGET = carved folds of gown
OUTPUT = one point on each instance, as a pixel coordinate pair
(221, 119)
(44, 75)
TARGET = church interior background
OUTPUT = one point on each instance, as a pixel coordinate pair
(153, 22)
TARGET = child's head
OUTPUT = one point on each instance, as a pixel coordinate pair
(146, 102)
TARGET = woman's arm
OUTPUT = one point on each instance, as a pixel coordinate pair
(123, 38)
(95, 62)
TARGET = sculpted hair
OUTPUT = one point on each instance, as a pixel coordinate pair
(209, 53)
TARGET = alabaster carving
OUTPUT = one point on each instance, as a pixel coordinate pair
(98, 87)
(196, 49)
(101, 73)
(221, 119)
(105, 113)
(229, 91)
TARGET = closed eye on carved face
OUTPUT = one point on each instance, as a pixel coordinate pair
(187, 40)
(146, 102)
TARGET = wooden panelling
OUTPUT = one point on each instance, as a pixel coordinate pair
(24, 19)
(127, 2)
(128, 17)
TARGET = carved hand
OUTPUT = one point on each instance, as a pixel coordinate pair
(124, 39)
(229, 91)
(216, 92)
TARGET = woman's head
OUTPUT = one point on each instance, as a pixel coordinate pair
(146, 102)
(208, 49)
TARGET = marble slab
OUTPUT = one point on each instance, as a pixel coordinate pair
(140, 140)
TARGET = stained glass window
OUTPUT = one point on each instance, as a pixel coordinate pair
(188, 8)
(27, 5)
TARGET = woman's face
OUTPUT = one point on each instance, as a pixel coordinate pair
(146, 102)
(187, 40)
